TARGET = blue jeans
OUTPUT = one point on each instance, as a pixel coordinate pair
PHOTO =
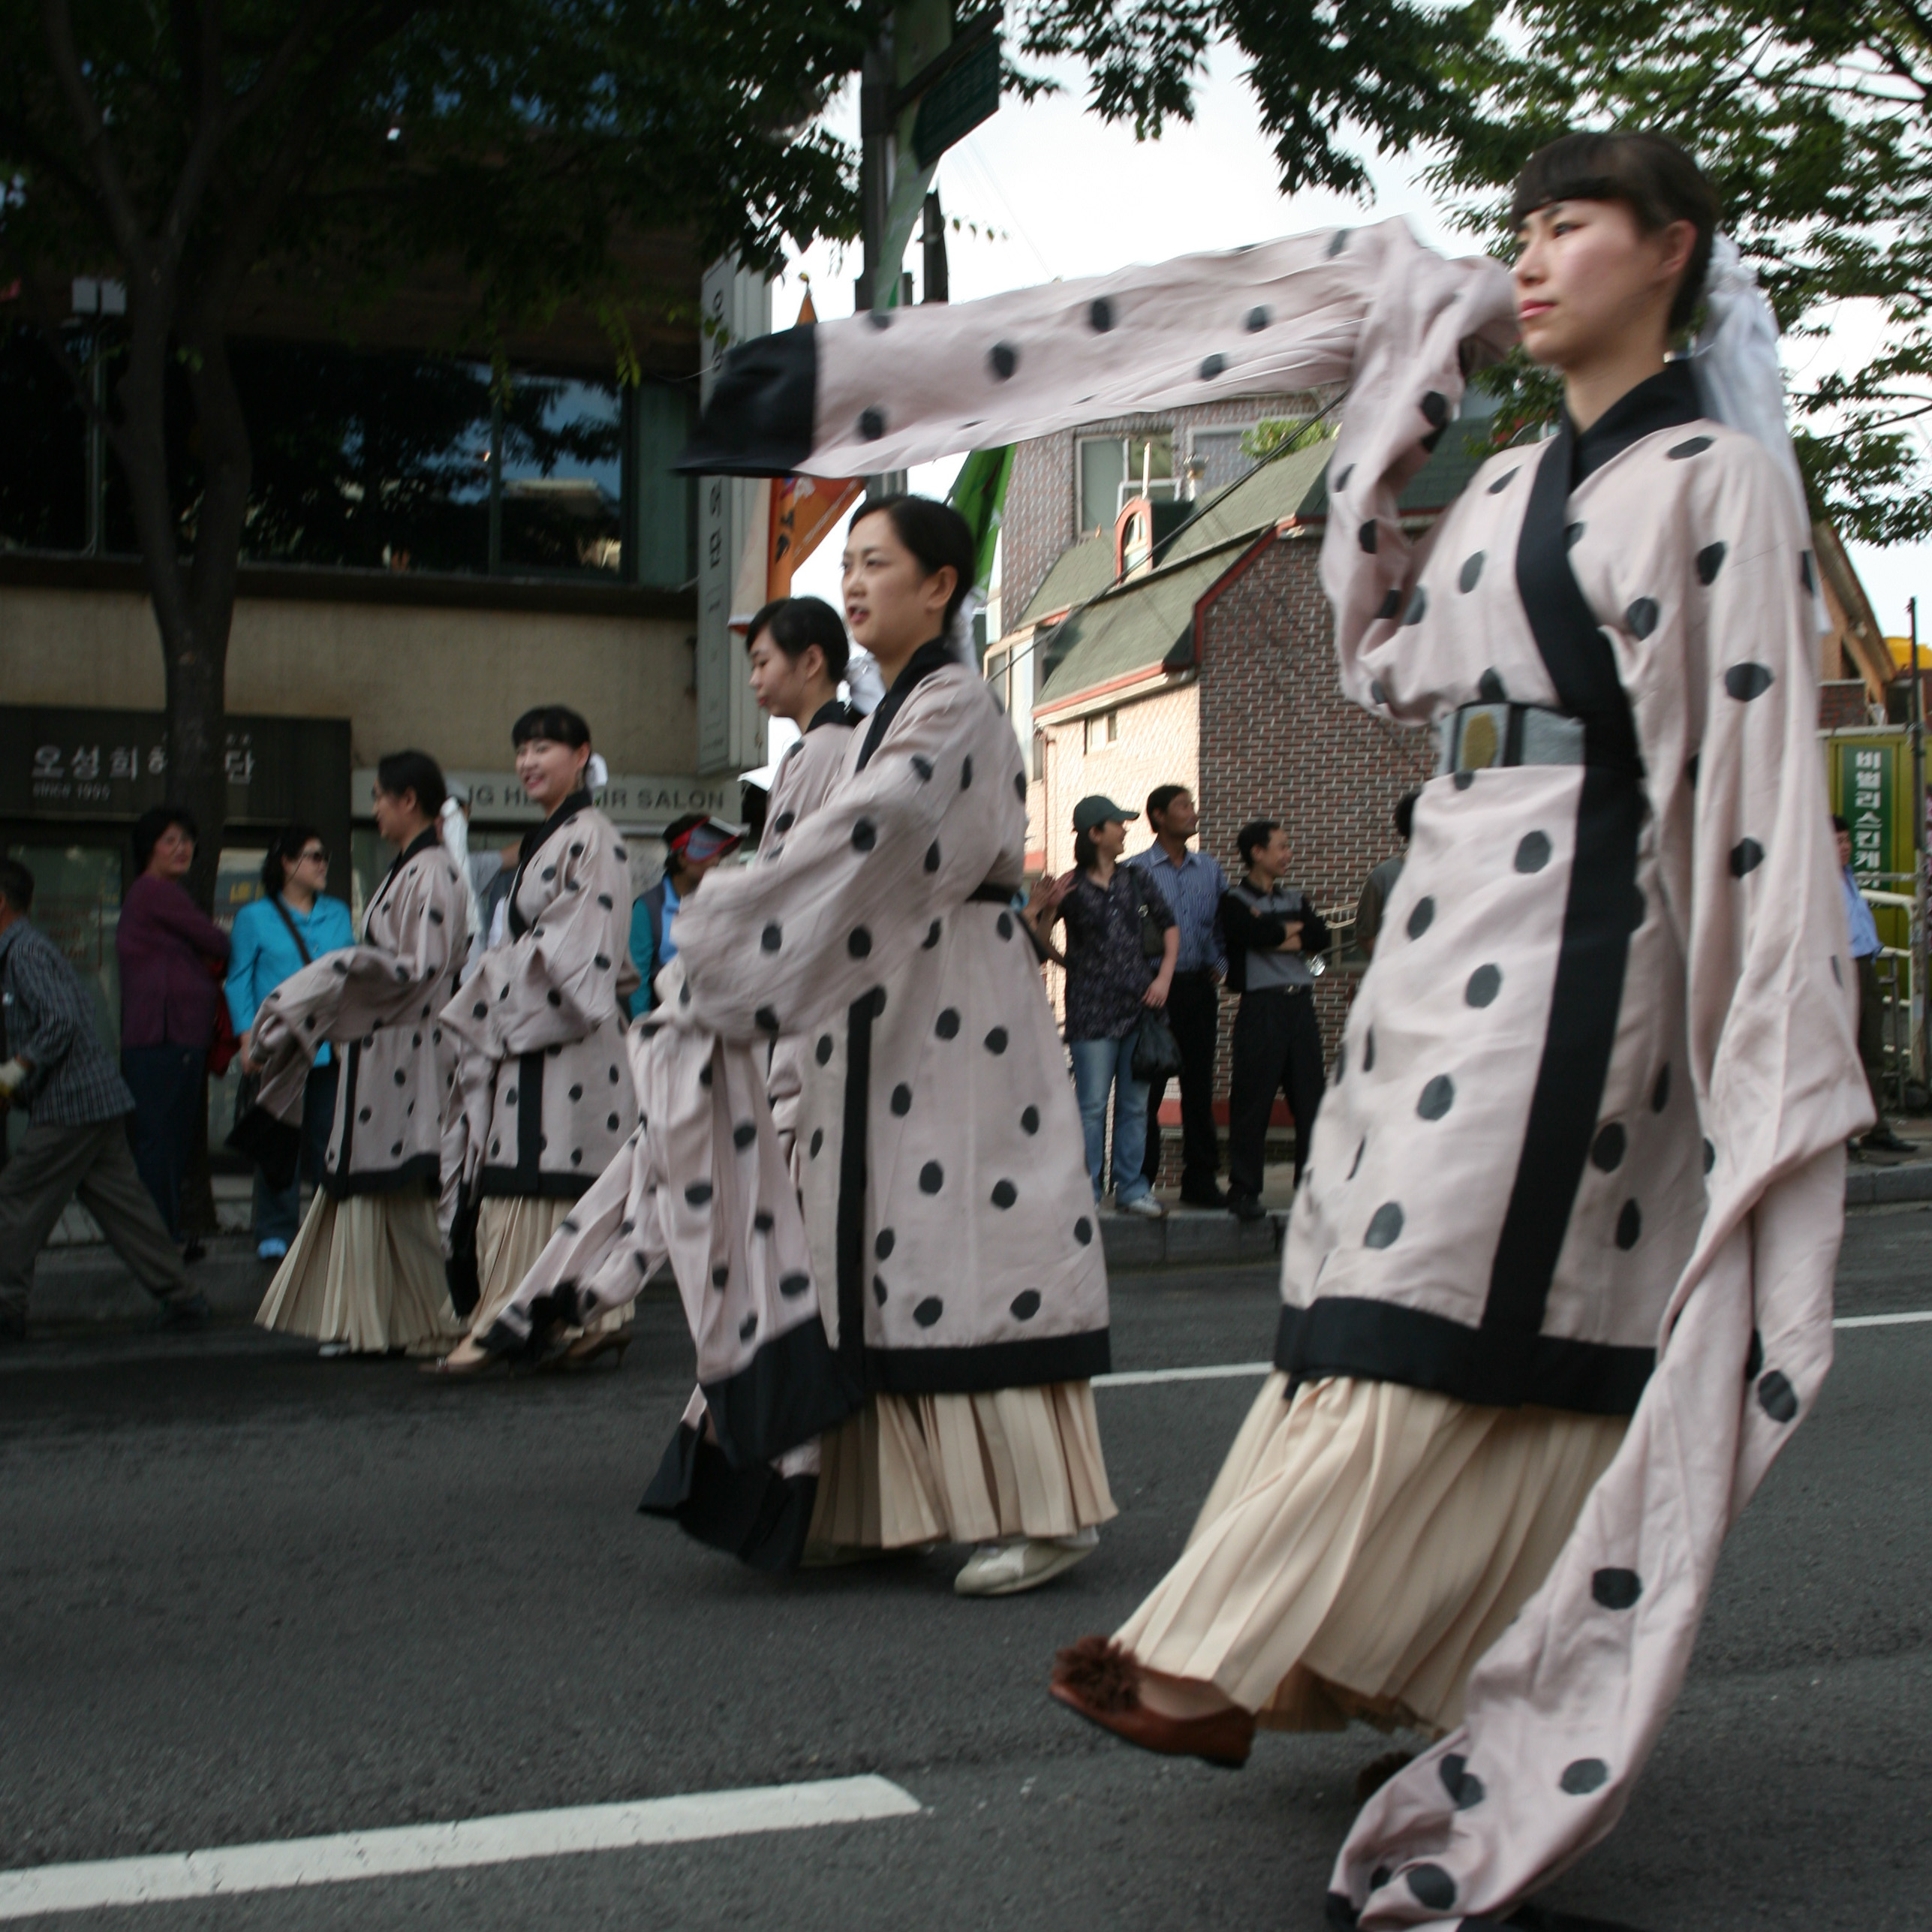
(1099, 1065)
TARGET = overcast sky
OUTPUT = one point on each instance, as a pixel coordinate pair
(1058, 194)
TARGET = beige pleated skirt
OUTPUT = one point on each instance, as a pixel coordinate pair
(1363, 1546)
(967, 1468)
(365, 1271)
(512, 1231)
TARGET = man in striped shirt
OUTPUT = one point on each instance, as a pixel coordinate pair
(76, 1139)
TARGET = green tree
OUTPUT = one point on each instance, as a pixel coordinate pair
(185, 148)
(1813, 119)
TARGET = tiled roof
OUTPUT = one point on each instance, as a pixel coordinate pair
(1084, 570)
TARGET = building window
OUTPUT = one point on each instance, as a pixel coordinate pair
(1111, 469)
(1104, 729)
(378, 461)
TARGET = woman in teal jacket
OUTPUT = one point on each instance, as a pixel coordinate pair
(293, 923)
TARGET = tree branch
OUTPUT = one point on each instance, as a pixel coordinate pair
(57, 20)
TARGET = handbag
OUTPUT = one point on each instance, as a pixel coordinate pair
(1156, 1053)
(272, 1144)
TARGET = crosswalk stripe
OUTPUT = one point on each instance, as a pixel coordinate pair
(283, 1865)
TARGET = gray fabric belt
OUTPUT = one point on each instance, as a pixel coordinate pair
(1478, 737)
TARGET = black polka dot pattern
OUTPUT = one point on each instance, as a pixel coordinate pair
(883, 1242)
(865, 835)
(768, 1020)
(747, 1327)
(1002, 359)
(932, 856)
(1660, 1092)
(1421, 918)
(817, 1145)
(1709, 561)
(1642, 616)
(1748, 681)
(1471, 572)
(1004, 1194)
(1083, 1231)
(1776, 1396)
(785, 821)
(1629, 1226)
(932, 1178)
(1695, 446)
(698, 1192)
(932, 937)
(859, 942)
(1747, 856)
(1490, 689)
(1432, 1885)
(1101, 315)
(1583, 1775)
(1606, 1150)
(901, 1100)
(871, 424)
(1754, 1356)
(1837, 974)
(1533, 852)
(1418, 604)
(742, 1134)
(1340, 482)
(773, 937)
(1435, 409)
(763, 1221)
(1710, 1156)
(1367, 537)
(1484, 983)
(1437, 1097)
(1361, 1148)
(821, 1052)
(1211, 366)
(928, 1311)
(1616, 1589)
(1465, 1787)
(1502, 483)
(923, 766)
(720, 1275)
(947, 1025)
(1368, 1051)
(794, 1285)
(966, 774)
(1389, 606)
(996, 1040)
(1026, 1305)
(1030, 1120)
(1385, 1226)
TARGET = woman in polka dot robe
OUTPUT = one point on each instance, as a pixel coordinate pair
(929, 1315)
(544, 1101)
(1557, 1284)
(365, 1274)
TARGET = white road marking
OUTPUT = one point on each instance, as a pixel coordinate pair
(1221, 1371)
(280, 1867)
(1136, 1378)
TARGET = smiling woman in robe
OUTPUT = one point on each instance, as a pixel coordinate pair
(545, 1103)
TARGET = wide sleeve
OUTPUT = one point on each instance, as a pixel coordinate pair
(243, 958)
(569, 970)
(347, 993)
(779, 947)
(1563, 1711)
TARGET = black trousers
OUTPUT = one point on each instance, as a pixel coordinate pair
(1193, 1012)
(1277, 1048)
(167, 1085)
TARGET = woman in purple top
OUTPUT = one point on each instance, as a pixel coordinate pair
(171, 954)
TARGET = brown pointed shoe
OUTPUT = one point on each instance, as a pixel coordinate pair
(1101, 1681)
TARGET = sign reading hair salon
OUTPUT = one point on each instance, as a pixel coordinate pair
(643, 800)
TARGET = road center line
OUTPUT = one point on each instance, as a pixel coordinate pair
(282, 1866)
(1222, 1371)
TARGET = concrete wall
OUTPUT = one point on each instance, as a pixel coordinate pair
(450, 681)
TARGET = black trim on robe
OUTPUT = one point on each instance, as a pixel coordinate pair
(986, 1366)
(835, 711)
(1602, 906)
(762, 412)
(793, 1388)
(754, 1514)
(1383, 1341)
(533, 843)
(933, 655)
(424, 1170)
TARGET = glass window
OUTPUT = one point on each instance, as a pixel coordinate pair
(663, 503)
(44, 452)
(1103, 470)
(562, 467)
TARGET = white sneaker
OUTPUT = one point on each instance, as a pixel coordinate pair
(273, 1249)
(1005, 1570)
(1144, 1206)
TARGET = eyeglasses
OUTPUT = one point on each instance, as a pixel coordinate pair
(314, 853)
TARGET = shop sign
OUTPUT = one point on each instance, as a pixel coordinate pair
(71, 761)
(639, 799)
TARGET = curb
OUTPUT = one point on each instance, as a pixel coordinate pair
(1199, 1239)
(1868, 1186)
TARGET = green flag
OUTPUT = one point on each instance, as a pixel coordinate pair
(979, 494)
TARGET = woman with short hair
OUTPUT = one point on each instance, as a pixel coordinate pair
(545, 1102)
(365, 1273)
(171, 954)
(291, 925)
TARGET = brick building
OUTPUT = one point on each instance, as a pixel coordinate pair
(1190, 643)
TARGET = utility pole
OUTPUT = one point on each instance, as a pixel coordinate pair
(1918, 937)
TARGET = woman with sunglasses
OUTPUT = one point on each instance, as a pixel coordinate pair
(291, 925)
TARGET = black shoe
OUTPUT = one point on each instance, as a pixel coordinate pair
(1247, 1207)
(1882, 1140)
(193, 1252)
(179, 1311)
(1209, 1197)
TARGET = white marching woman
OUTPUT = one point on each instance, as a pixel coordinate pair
(544, 1097)
(1557, 1287)
(365, 1273)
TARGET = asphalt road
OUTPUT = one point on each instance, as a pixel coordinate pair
(248, 1595)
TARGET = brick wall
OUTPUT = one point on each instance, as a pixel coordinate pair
(1843, 702)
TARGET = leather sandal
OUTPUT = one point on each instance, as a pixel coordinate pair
(1101, 1681)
